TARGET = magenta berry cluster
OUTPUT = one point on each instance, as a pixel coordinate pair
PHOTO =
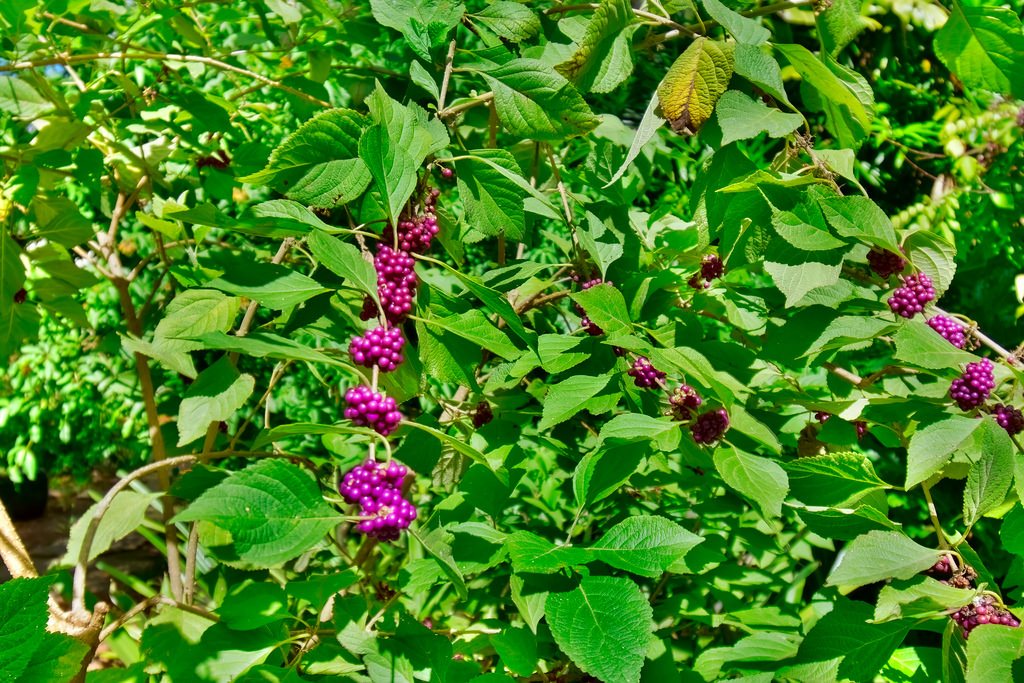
(380, 346)
(711, 268)
(396, 282)
(709, 427)
(1009, 418)
(683, 403)
(972, 388)
(909, 300)
(367, 408)
(644, 374)
(983, 610)
(377, 488)
(416, 232)
(885, 263)
(950, 330)
(587, 324)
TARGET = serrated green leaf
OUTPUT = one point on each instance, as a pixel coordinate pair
(990, 475)
(741, 117)
(23, 615)
(126, 512)
(533, 101)
(510, 20)
(606, 307)
(933, 443)
(639, 427)
(860, 218)
(602, 58)
(58, 658)
(216, 394)
(604, 626)
(261, 344)
(474, 326)
(694, 83)
(992, 652)
(834, 479)
(250, 604)
(493, 201)
(276, 287)
(917, 597)
(984, 48)
(393, 170)
(193, 313)
(344, 259)
(530, 553)
(743, 29)
(424, 23)
(796, 272)
(920, 345)
(759, 479)
(760, 68)
(20, 99)
(274, 511)
(881, 555)
(933, 256)
(60, 220)
(644, 545)
(566, 398)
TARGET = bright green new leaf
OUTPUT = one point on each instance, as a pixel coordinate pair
(393, 170)
(493, 201)
(759, 479)
(917, 597)
(604, 626)
(19, 98)
(126, 512)
(344, 259)
(933, 443)
(990, 475)
(694, 83)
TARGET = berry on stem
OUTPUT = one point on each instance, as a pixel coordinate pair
(367, 408)
(972, 388)
(683, 403)
(710, 426)
(377, 488)
(644, 374)
(711, 268)
(380, 346)
(885, 263)
(950, 330)
(396, 282)
(482, 415)
(909, 300)
(983, 610)
(1009, 418)
(416, 232)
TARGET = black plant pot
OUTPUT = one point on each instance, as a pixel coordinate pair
(26, 500)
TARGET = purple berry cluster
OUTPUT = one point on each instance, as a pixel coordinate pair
(909, 300)
(1009, 418)
(592, 329)
(683, 403)
(482, 415)
(645, 375)
(710, 426)
(367, 408)
(378, 490)
(983, 610)
(885, 263)
(396, 282)
(971, 389)
(380, 346)
(711, 268)
(950, 330)
(416, 232)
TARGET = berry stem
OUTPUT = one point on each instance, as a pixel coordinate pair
(933, 513)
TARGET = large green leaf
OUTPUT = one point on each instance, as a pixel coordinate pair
(23, 616)
(881, 555)
(424, 23)
(493, 201)
(273, 510)
(126, 513)
(991, 472)
(602, 59)
(933, 443)
(344, 259)
(743, 29)
(274, 286)
(510, 20)
(832, 479)
(694, 83)
(19, 98)
(393, 170)
(984, 48)
(604, 626)
(193, 313)
(741, 117)
(992, 652)
(216, 394)
(760, 479)
(644, 545)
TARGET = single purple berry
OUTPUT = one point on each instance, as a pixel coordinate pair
(950, 330)
(909, 300)
(710, 426)
(822, 416)
(446, 172)
(20, 296)
(973, 387)
(885, 263)
(644, 374)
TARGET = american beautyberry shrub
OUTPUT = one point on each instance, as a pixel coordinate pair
(972, 388)
(910, 299)
(367, 408)
(983, 610)
(711, 268)
(885, 263)
(644, 374)
(683, 403)
(950, 330)
(709, 427)
(380, 346)
(1009, 418)
(377, 489)
(416, 232)
(482, 415)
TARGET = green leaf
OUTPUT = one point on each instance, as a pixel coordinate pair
(272, 509)
(991, 653)
(640, 427)
(920, 345)
(761, 480)
(602, 59)
(319, 165)
(741, 117)
(126, 513)
(984, 48)
(566, 398)
(921, 596)
(839, 23)
(424, 23)
(493, 201)
(23, 615)
(644, 545)
(216, 394)
(474, 326)
(801, 234)
(860, 218)
(797, 272)
(250, 605)
(933, 443)
(58, 658)
(261, 344)
(517, 648)
(933, 256)
(604, 626)
(743, 29)
(533, 101)
(510, 20)
(409, 128)
(170, 353)
(393, 170)
(344, 259)
(991, 472)
(195, 312)
(286, 210)
(20, 99)
(61, 221)
(881, 555)
(602, 471)
(760, 68)
(601, 240)
(834, 479)
(276, 287)
(606, 307)
(1011, 532)
(645, 132)
(12, 271)
(529, 553)
(530, 605)
(442, 354)
(846, 523)
(694, 83)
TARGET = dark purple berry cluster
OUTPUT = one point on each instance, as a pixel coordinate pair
(683, 403)
(983, 610)
(971, 389)
(415, 233)
(885, 263)
(909, 300)
(380, 346)
(711, 268)
(367, 408)
(378, 490)
(950, 330)
(947, 572)
(1009, 418)
(644, 374)
(587, 324)
(482, 415)
(709, 427)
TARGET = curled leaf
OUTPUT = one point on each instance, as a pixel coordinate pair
(694, 83)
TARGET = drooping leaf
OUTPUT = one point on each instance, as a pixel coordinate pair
(424, 23)
(216, 394)
(126, 512)
(693, 84)
(741, 117)
(984, 48)
(880, 555)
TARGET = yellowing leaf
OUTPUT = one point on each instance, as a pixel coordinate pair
(694, 83)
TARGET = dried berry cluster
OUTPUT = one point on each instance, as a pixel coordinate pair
(983, 610)
(972, 388)
(909, 300)
(683, 403)
(378, 491)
